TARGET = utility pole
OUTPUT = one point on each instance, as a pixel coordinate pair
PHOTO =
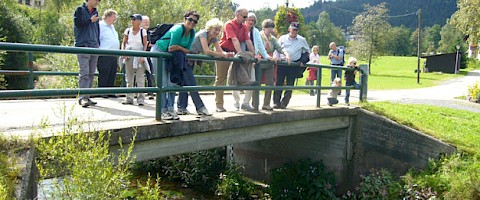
(371, 52)
(418, 45)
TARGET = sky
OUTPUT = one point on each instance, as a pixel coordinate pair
(258, 4)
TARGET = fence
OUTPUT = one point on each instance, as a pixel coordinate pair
(159, 89)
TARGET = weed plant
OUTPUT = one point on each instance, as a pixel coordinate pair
(80, 156)
(233, 185)
(10, 148)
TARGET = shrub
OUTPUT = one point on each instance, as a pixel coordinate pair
(61, 63)
(81, 155)
(304, 179)
(379, 184)
(474, 92)
(233, 185)
(9, 167)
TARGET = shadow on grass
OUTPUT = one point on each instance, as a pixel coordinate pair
(402, 76)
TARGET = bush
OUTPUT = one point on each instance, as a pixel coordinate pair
(199, 170)
(61, 63)
(379, 185)
(233, 185)
(304, 179)
(474, 92)
(81, 155)
(9, 167)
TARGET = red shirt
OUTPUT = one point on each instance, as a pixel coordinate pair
(233, 30)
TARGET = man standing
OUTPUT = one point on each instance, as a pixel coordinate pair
(335, 55)
(234, 34)
(87, 34)
(146, 25)
(107, 65)
(294, 46)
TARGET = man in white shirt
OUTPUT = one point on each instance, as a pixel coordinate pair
(107, 65)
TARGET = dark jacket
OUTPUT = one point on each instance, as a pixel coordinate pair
(176, 66)
(87, 34)
(305, 58)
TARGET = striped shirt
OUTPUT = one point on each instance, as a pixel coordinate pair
(294, 46)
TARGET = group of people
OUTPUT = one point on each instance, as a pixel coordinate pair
(240, 38)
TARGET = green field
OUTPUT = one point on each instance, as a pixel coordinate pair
(392, 72)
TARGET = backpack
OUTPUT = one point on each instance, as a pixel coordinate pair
(341, 49)
(159, 31)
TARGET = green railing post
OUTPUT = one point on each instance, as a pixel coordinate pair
(256, 93)
(124, 81)
(319, 84)
(159, 93)
(363, 82)
(30, 70)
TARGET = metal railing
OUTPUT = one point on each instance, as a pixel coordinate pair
(159, 89)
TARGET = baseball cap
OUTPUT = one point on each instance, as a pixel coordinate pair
(136, 17)
(294, 25)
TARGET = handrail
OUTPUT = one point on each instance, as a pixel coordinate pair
(159, 89)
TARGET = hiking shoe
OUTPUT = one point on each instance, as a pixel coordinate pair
(221, 109)
(267, 107)
(237, 106)
(182, 111)
(141, 104)
(247, 107)
(127, 103)
(203, 111)
(91, 103)
(151, 96)
(174, 115)
(83, 103)
(276, 106)
(166, 116)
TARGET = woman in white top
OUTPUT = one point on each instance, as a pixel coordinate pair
(135, 38)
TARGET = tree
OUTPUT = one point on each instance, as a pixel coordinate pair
(323, 32)
(414, 42)
(285, 16)
(15, 28)
(262, 14)
(432, 37)
(467, 19)
(450, 38)
(371, 28)
(399, 42)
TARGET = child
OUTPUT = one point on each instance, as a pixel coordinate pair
(312, 71)
(350, 78)
(332, 95)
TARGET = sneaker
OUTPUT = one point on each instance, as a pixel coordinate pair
(174, 115)
(83, 103)
(267, 108)
(348, 104)
(151, 96)
(203, 111)
(91, 103)
(182, 111)
(237, 106)
(166, 116)
(141, 104)
(247, 107)
(276, 106)
(221, 109)
(127, 103)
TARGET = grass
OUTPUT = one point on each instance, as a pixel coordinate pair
(394, 72)
(9, 168)
(457, 127)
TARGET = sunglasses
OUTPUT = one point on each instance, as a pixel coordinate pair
(354, 63)
(191, 20)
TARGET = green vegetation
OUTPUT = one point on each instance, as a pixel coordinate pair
(10, 149)
(452, 177)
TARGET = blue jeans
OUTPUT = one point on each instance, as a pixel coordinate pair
(189, 80)
(311, 83)
(347, 95)
(168, 100)
(335, 73)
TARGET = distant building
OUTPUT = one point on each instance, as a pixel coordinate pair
(473, 51)
(33, 3)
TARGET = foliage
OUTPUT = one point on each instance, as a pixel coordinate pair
(15, 28)
(451, 37)
(50, 30)
(323, 32)
(61, 63)
(432, 37)
(263, 14)
(474, 91)
(233, 185)
(151, 189)
(81, 155)
(3, 82)
(398, 44)
(370, 38)
(199, 170)
(414, 42)
(304, 179)
(9, 164)
(466, 18)
(285, 16)
(207, 68)
(379, 184)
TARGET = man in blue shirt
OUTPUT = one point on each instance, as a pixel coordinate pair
(87, 34)
(335, 55)
(107, 65)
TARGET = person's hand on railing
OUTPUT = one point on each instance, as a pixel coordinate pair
(289, 60)
(273, 59)
(141, 60)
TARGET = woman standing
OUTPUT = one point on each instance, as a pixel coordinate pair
(177, 40)
(201, 43)
(135, 38)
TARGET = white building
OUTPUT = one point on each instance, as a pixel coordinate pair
(33, 3)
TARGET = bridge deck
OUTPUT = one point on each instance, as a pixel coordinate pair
(20, 117)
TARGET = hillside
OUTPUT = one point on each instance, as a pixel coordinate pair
(341, 11)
